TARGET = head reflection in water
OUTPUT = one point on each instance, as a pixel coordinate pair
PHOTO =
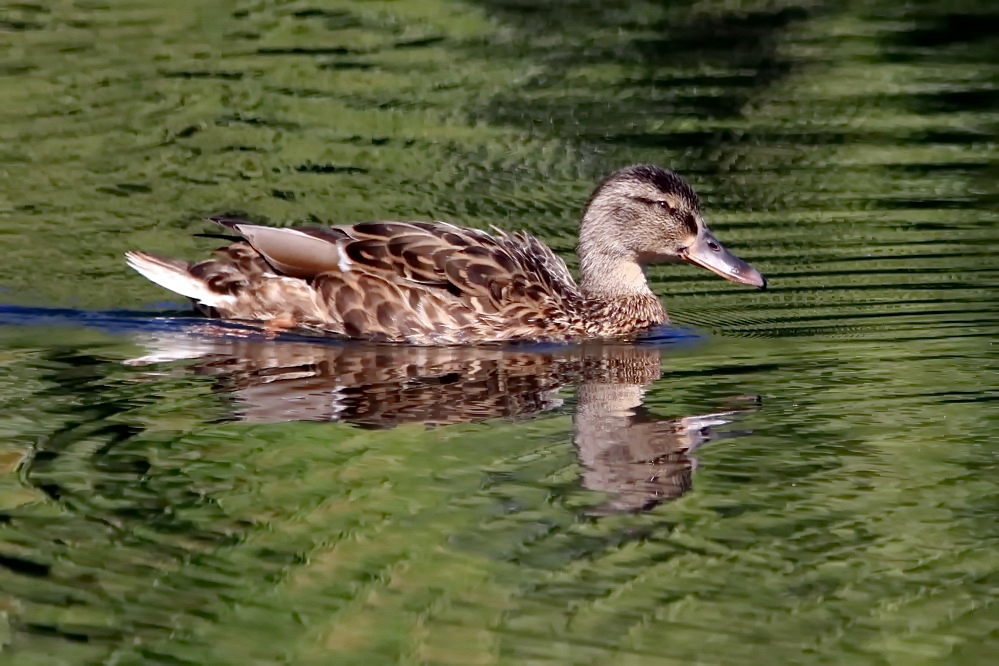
(638, 458)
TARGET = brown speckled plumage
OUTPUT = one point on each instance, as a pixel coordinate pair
(439, 284)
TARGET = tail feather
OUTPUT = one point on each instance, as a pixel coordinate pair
(175, 275)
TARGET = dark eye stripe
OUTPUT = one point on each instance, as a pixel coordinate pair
(654, 202)
(687, 220)
(690, 223)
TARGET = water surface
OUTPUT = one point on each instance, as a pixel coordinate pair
(802, 475)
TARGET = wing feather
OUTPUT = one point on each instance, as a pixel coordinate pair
(404, 280)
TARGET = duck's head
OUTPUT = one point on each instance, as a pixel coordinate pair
(644, 215)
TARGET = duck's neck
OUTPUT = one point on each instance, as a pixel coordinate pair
(616, 290)
(605, 276)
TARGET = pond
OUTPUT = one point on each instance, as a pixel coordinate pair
(807, 474)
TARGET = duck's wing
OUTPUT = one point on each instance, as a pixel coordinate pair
(300, 252)
(488, 274)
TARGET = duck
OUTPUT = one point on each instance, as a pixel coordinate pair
(436, 283)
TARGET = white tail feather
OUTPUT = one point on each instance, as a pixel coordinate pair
(173, 275)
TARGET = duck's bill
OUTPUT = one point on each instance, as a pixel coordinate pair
(707, 252)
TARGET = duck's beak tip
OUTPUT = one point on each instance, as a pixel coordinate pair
(763, 283)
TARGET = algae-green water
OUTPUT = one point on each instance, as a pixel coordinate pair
(806, 475)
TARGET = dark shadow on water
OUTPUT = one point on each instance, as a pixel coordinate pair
(675, 57)
(112, 321)
(180, 322)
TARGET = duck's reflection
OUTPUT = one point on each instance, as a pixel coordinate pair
(637, 457)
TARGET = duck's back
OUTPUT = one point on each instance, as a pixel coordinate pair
(430, 283)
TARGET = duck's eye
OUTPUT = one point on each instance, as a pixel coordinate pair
(665, 206)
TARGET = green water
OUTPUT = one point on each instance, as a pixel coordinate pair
(170, 497)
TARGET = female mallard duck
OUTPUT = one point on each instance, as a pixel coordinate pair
(438, 284)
